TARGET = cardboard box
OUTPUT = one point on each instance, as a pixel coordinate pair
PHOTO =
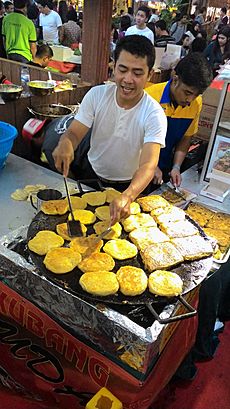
(211, 98)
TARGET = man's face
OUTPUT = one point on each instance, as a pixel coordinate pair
(182, 94)
(44, 10)
(140, 18)
(131, 74)
(10, 9)
(184, 20)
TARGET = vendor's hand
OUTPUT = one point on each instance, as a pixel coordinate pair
(175, 177)
(157, 179)
(120, 208)
(63, 155)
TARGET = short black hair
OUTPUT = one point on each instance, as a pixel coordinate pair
(137, 45)
(45, 3)
(1, 5)
(7, 4)
(44, 50)
(72, 15)
(161, 24)
(224, 10)
(198, 45)
(145, 9)
(20, 4)
(194, 71)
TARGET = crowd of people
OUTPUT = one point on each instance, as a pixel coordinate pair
(194, 33)
(25, 24)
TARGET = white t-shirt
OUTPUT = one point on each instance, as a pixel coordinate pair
(50, 23)
(145, 32)
(118, 134)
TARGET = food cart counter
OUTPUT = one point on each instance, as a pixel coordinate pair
(73, 347)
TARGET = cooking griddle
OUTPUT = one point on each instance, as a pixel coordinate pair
(192, 272)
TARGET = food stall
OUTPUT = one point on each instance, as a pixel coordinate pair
(61, 347)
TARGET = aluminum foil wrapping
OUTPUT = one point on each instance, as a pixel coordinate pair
(110, 332)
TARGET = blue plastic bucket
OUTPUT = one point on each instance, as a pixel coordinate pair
(7, 135)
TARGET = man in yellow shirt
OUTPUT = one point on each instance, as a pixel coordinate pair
(182, 102)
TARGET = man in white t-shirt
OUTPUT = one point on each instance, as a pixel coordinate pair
(128, 129)
(49, 21)
(141, 28)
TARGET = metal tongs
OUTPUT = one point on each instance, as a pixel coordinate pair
(73, 226)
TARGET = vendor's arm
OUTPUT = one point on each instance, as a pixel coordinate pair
(120, 208)
(64, 152)
(33, 48)
(179, 156)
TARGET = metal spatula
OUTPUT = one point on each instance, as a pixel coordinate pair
(73, 226)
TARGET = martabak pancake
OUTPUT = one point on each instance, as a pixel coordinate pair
(132, 280)
(44, 241)
(101, 283)
(61, 260)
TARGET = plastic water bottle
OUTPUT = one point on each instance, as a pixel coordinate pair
(25, 78)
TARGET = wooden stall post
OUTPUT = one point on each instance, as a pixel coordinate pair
(95, 40)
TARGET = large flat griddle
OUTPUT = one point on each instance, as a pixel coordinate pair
(191, 272)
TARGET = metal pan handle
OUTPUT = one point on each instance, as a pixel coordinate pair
(192, 312)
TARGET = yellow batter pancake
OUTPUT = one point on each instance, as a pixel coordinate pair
(120, 249)
(53, 207)
(84, 216)
(134, 221)
(165, 283)
(99, 283)
(132, 280)
(97, 261)
(111, 194)
(149, 203)
(103, 212)
(95, 198)
(61, 260)
(83, 244)
(44, 241)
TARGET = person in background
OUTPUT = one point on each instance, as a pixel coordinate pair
(131, 16)
(179, 28)
(201, 17)
(182, 102)
(216, 49)
(2, 12)
(162, 36)
(153, 16)
(62, 11)
(33, 14)
(19, 34)
(141, 28)
(194, 28)
(185, 45)
(9, 7)
(43, 55)
(70, 32)
(125, 23)
(198, 45)
(223, 16)
(128, 129)
(49, 21)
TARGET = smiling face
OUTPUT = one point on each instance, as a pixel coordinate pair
(182, 93)
(140, 19)
(131, 74)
